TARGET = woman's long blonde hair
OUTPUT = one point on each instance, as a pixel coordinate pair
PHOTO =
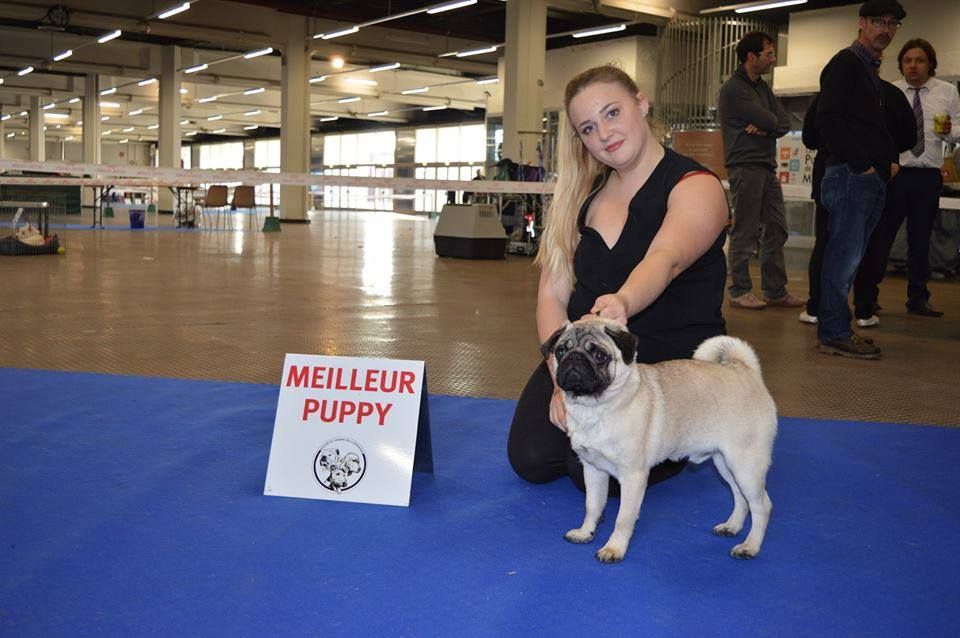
(576, 171)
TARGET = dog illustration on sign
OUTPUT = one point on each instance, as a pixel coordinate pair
(339, 465)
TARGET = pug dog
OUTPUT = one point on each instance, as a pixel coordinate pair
(623, 418)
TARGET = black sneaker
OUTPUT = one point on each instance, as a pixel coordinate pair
(853, 346)
(922, 308)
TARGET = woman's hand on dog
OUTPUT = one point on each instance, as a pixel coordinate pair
(612, 306)
(558, 411)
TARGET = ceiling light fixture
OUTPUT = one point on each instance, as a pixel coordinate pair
(213, 118)
(128, 129)
(5, 117)
(319, 78)
(136, 112)
(63, 56)
(469, 52)
(361, 81)
(258, 53)
(747, 7)
(254, 91)
(153, 126)
(174, 11)
(109, 105)
(435, 108)
(450, 6)
(196, 69)
(56, 116)
(347, 100)
(384, 67)
(490, 80)
(377, 113)
(190, 134)
(422, 89)
(73, 100)
(253, 112)
(25, 71)
(47, 107)
(109, 91)
(146, 82)
(220, 130)
(113, 35)
(204, 100)
(599, 31)
(251, 127)
(337, 34)
(330, 119)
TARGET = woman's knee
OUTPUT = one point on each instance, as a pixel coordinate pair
(535, 465)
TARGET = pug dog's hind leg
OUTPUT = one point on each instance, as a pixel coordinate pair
(632, 489)
(597, 484)
(734, 523)
(752, 481)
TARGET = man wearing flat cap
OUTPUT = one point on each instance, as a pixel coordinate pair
(861, 158)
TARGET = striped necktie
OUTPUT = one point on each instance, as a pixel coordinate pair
(918, 115)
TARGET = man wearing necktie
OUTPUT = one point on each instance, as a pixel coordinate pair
(915, 194)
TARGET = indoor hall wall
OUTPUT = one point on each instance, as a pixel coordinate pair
(815, 36)
(636, 56)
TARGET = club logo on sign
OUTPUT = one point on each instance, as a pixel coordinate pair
(340, 465)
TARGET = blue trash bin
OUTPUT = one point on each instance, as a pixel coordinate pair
(136, 218)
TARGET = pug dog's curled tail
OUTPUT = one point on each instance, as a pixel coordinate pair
(726, 350)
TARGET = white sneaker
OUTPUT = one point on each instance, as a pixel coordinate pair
(807, 318)
(871, 322)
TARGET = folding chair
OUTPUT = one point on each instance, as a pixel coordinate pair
(245, 197)
(216, 198)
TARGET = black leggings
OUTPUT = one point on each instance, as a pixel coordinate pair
(540, 452)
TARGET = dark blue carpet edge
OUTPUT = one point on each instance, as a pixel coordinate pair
(134, 505)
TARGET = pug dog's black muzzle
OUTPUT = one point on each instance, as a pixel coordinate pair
(578, 374)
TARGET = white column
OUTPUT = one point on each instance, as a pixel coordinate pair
(91, 119)
(523, 78)
(169, 138)
(295, 118)
(3, 140)
(36, 134)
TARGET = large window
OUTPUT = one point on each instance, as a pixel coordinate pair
(266, 157)
(452, 144)
(228, 155)
(185, 157)
(361, 155)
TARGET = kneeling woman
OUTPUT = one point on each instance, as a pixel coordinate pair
(635, 233)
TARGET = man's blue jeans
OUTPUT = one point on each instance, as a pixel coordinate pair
(855, 203)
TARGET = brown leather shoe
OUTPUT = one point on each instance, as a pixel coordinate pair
(853, 346)
(787, 301)
(748, 301)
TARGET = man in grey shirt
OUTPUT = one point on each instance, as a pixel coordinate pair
(752, 119)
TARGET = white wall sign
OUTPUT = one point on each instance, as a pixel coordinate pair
(347, 429)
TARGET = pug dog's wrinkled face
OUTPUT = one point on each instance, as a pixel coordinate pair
(586, 354)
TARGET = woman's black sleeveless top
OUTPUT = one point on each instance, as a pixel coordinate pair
(689, 310)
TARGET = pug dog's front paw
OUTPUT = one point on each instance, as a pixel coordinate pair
(726, 530)
(608, 554)
(579, 535)
(744, 551)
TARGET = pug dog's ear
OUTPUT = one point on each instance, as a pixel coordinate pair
(626, 342)
(547, 346)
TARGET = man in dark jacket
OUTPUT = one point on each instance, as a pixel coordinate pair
(751, 120)
(861, 158)
(901, 124)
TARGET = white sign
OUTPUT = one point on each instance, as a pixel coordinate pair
(346, 429)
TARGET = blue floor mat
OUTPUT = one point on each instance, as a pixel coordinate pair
(134, 506)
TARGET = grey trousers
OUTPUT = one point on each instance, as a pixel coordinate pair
(757, 201)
